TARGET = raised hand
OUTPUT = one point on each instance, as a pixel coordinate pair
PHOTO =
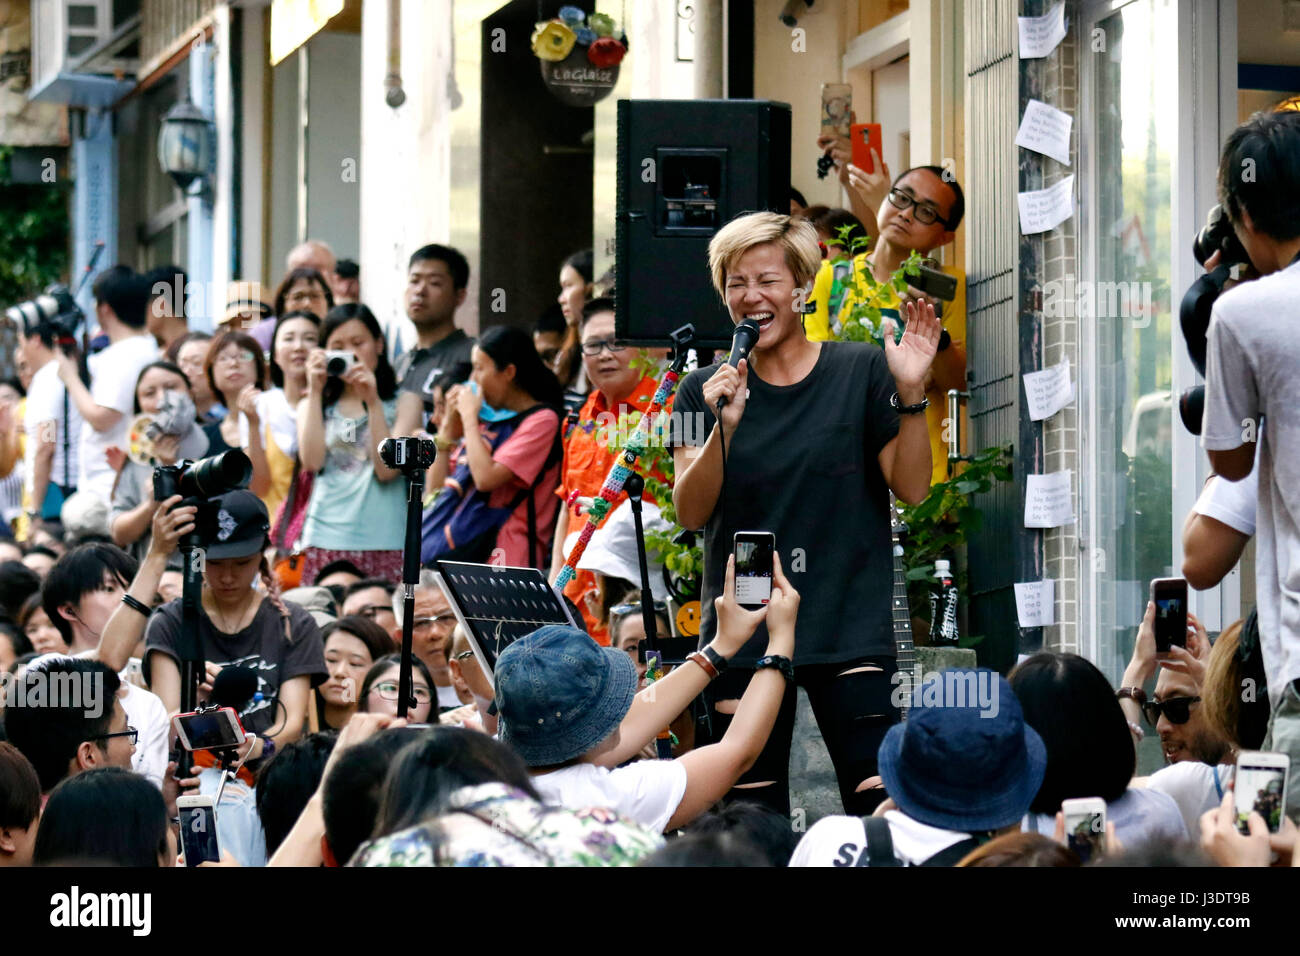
(909, 360)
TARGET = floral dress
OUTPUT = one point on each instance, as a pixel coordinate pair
(496, 825)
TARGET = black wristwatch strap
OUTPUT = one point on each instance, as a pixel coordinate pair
(717, 660)
(776, 661)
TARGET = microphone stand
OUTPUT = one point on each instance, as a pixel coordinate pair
(410, 578)
(634, 485)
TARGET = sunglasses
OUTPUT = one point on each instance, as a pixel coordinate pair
(1177, 710)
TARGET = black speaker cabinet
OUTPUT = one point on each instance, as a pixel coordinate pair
(685, 169)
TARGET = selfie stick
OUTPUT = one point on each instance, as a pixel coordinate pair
(410, 577)
(637, 442)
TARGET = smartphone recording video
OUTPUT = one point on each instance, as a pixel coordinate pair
(754, 551)
(1260, 787)
(210, 730)
(1169, 595)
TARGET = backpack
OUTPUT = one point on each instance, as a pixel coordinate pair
(880, 847)
(460, 525)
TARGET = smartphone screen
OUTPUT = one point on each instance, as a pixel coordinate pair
(1085, 832)
(211, 730)
(1262, 789)
(1170, 598)
(199, 834)
(754, 550)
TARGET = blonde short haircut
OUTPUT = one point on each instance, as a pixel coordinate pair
(796, 237)
(1221, 690)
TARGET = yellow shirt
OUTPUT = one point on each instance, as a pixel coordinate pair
(817, 326)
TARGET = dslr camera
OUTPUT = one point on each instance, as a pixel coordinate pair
(203, 479)
(339, 363)
(56, 310)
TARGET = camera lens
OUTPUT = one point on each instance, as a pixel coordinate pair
(1191, 408)
(217, 475)
(336, 365)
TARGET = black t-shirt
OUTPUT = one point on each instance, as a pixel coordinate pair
(261, 646)
(803, 464)
(419, 369)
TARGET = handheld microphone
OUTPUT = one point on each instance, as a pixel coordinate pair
(742, 341)
(234, 687)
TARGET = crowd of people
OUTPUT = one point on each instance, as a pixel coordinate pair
(548, 753)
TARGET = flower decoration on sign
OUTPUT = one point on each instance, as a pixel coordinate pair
(580, 54)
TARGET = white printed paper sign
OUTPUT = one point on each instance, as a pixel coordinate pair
(1047, 500)
(1036, 603)
(1039, 36)
(1048, 391)
(1046, 209)
(1046, 130)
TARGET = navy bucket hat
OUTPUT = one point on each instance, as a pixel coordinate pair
(559, 694)
(964, 759)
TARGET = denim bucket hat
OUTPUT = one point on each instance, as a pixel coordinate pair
(963, 761)
(559, 693)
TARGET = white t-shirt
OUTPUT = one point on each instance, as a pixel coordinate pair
(447, 696)
(146, 713)
(842, 841)
(1192, 785)
(45, 404)
(1250, 375)
(1233, 503)
(1140, 815)
(274, 410)
(648, 791)
(113, 374)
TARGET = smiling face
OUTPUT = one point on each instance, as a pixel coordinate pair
(760, 286)
(900, 226)
(353, 336)
(294, 340)
(1193, 740)
(347, 659)
(154, 384)
(611, 372)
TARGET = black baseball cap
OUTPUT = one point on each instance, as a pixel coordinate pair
(240, 525)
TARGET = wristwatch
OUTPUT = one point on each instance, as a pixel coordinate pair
(713, 657)
(777, 662)
(919, 407)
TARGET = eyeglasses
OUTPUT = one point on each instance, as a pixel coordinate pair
(424, 623)
(388, 691)
(129, 732)
(593, 348)
(618, 610)
(1178, 710)
(925, 213)
(463, 655)
(234, 358)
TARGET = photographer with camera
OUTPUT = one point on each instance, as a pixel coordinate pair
(51, 420)
(241, 627)
(121, 298)
(163, 392)
(357, 507)
(1252, 358)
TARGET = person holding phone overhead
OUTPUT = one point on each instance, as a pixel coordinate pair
(813, 436)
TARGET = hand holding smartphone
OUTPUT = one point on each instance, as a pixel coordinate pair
(211, 730)
(754, 551)
(1169, 595)
(1260, 785)
(198, 823)
(1085, 826)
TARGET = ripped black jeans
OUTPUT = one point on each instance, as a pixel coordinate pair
(852, 702)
